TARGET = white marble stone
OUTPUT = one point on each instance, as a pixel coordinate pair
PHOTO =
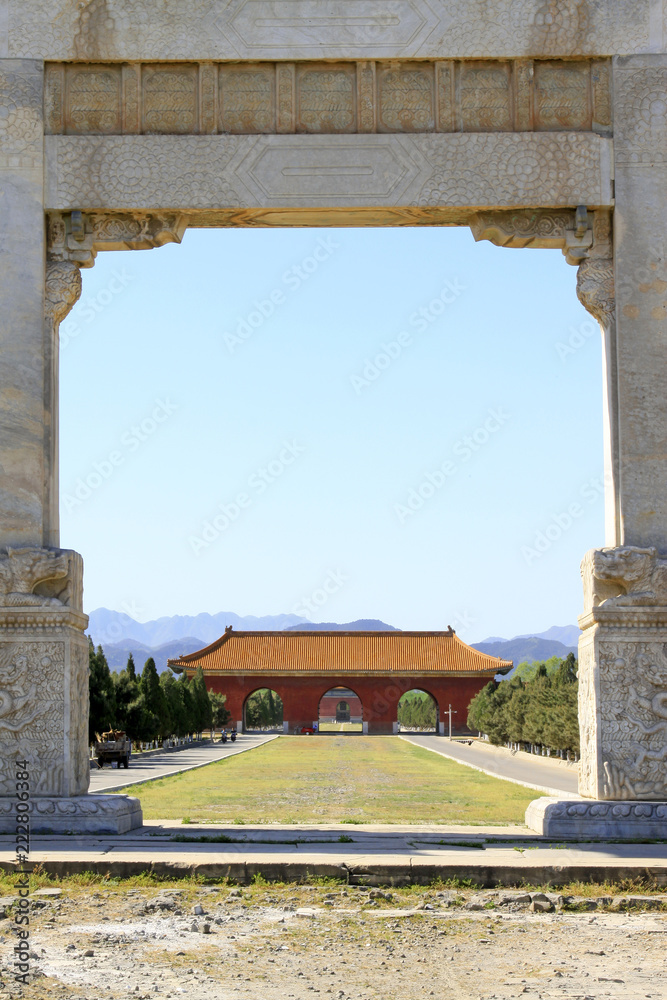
(639, 411)
(475, 170)
(91, 814)
(586, 819)
(518, 179)
(28, 488)
(333, 29)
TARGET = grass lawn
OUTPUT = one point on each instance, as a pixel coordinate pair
(335, 780)
(340, 727)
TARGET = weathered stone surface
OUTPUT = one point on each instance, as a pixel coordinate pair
(28, 494)
(43, 701)
(623, 675)
(589, 820)
(640, 395)
(332, 29)
(250, 112)
(152, 173)
(317, 97)
(80, 814)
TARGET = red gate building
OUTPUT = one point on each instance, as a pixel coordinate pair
(379, 667)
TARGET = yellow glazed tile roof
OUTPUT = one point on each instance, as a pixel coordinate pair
(293, 652)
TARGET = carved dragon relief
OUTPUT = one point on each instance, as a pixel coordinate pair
(627, 704)
(36, 577)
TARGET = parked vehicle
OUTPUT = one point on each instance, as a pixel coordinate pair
(111, 746)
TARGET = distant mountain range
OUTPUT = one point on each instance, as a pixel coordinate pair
(169, 637)
(559, 640)
(361, 625)
(113, 626)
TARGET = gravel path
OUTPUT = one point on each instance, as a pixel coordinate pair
(347, 943)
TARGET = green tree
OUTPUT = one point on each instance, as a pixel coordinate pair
(537, 705)
(202, 702)
(175, 707)
(156, 718)
(126, 686)
(264, 709)
(188, 704)
(221, 716)
(417, 710)
(102, 715)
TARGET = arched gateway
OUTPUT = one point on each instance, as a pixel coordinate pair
(378, 667)
(537, 123)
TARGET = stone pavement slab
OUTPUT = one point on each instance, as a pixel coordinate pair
(373, 855)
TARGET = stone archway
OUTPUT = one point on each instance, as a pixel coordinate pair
(521, 126)
(341, 710)
(418, 711)
(262, 710)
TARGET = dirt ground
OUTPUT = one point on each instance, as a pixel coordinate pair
(342, 942)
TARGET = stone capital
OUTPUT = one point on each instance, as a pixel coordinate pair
(34, 577)
(624, 576)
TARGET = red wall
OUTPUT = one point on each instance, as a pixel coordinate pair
(379, 696)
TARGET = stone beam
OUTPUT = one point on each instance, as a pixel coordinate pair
(123, 30)
(195, 173)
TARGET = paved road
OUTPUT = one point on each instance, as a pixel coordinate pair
(540, 773)
(163, 764)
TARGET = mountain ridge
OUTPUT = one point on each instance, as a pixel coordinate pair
(169, 637)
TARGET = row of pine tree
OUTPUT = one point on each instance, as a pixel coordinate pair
(417, 710)
(536, 706)
(150, 706)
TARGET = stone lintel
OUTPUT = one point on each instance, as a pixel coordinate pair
(79, 814)
(587, 819)
(158, 173)
(322, 29)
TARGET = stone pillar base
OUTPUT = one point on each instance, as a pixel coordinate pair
(78, 814)
(592, 819)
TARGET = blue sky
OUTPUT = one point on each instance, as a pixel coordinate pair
(388, 423)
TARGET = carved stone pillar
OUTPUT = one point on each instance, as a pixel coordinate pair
(43, 649)
(622, 702)
(44, 698)
(623, 647)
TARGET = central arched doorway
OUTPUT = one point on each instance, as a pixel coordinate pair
(417, 712)
(263, 711)
(340, 711)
